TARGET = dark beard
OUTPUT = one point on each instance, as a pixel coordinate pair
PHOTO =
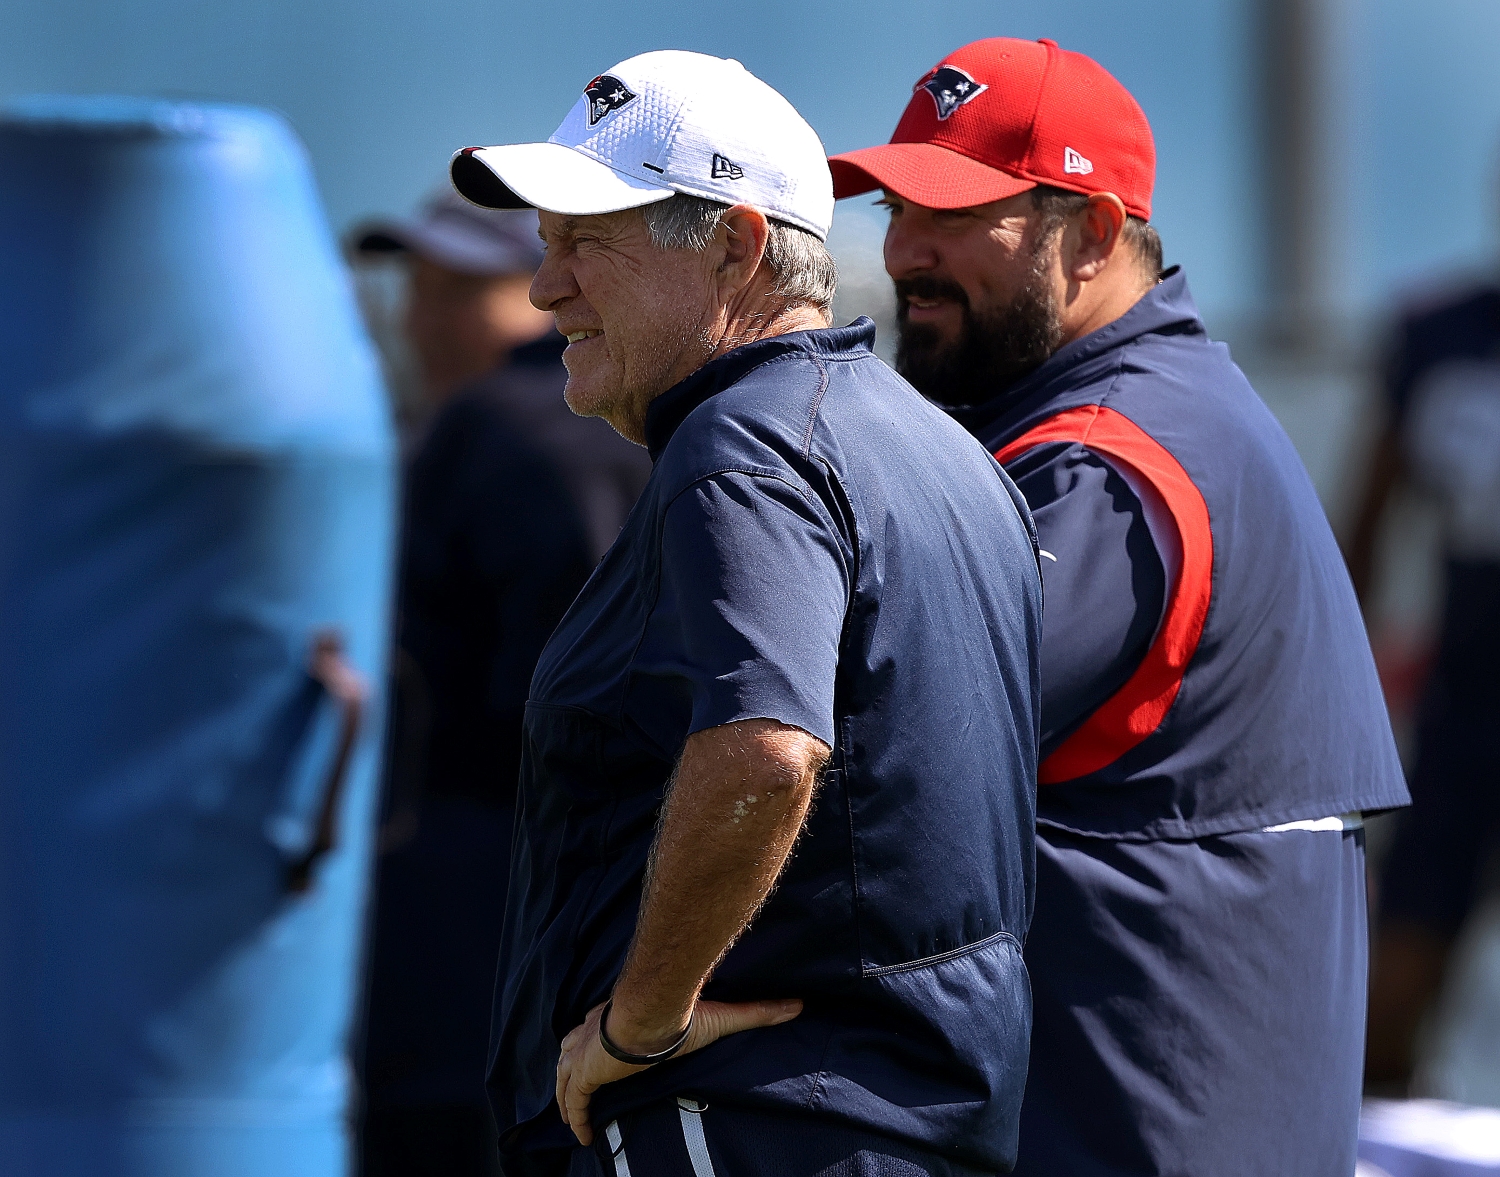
(994, 348)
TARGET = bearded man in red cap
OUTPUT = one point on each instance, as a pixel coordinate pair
(1212, 726)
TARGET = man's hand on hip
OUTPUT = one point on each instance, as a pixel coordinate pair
(585, 1066)
(736, 804)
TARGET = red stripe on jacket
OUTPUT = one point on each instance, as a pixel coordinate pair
(1137, 709)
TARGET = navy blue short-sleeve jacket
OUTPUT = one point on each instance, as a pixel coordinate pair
(820, 546)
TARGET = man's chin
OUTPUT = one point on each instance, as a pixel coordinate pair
(927, 338)
(928, 366)
(984, 361)
(586, 398)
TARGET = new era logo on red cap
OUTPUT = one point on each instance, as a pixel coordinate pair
(1043, 115)
(1075, 164)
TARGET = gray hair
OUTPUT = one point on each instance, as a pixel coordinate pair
(805, 271)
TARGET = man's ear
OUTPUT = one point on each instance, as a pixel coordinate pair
(1098, 225)
(742, 236)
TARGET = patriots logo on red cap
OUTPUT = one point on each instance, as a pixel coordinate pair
(950, 88)
(606, 93)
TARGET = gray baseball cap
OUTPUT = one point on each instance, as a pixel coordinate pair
(460, 236)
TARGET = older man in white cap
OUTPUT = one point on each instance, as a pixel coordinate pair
(827, 588)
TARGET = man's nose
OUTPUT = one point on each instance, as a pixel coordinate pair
(552, 284)
(908, 250)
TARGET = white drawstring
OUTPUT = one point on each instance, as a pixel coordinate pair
(690, 1112)
(617, 1148)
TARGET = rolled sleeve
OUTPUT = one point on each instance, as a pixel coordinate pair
(756, 583)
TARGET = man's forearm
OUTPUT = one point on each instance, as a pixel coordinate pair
(731, 818)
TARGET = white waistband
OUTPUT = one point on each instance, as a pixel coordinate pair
(1345, 821)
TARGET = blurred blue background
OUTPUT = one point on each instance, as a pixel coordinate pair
(384, 90)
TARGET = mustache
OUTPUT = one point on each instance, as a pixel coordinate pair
(928, 288)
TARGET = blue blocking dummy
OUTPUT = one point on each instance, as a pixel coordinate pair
(196, 525)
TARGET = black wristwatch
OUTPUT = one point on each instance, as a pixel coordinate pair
(637, 1060)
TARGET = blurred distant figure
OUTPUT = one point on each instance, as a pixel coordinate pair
(510, 500)
(1443, 385)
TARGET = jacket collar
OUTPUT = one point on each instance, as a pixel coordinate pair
(671, 408)
(1167, 309)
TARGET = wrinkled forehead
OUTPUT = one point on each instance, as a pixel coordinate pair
(564, 226)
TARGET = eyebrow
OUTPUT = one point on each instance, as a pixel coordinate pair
(565, 228)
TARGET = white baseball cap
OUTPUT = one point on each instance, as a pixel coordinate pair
(654, 126)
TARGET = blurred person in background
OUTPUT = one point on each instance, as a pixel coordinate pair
(1442, 435)
(510, 501)
(1212, 723)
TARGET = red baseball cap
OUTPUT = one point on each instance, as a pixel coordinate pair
(1000, 116)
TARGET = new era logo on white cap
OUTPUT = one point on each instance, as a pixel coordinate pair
(659, 124)
(726, 169)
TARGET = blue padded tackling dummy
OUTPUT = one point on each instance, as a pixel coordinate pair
(196, 525)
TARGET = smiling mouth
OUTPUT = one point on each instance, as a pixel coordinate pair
(580, 336)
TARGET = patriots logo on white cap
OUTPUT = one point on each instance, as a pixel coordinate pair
(950, 88)
(606, 93)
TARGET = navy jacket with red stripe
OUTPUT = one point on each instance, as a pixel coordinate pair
(1241, 692)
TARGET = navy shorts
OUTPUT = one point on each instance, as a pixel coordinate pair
(1199, 1005)
(684, 1138)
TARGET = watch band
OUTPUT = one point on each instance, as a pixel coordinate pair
(637, 1060)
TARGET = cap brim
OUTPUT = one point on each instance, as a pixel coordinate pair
(381, 238)
(923, 173)
(547, 176)
(450, 246)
